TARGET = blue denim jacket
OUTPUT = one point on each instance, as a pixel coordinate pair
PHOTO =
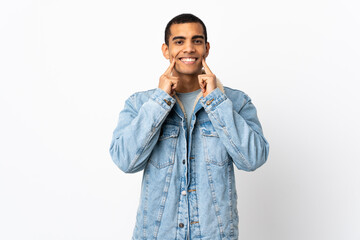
(188, 184)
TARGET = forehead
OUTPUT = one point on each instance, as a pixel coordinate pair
(186, 29)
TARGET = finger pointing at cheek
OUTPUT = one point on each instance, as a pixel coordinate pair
(206, 67)
(170, 68)
(167, 82)
(207, 81)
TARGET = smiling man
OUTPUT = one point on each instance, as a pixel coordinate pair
(187, 135)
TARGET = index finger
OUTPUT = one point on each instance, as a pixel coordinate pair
(207, 69)
(170, 68)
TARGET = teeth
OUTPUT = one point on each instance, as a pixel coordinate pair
(188, 59)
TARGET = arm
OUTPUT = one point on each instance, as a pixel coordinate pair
(137, 131)
(240, 132)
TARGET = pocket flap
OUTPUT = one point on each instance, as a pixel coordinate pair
(207, 129)
(169, 131)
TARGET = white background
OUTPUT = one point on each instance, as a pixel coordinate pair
(66, 68)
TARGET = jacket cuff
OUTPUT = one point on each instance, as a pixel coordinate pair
(163, 98)
(213, 99)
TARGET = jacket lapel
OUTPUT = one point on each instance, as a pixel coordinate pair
(218, 84)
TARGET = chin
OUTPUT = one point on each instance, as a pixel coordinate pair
(190, 72)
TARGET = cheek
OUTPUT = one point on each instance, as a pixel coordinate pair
(173, 54)
(202, 51)
(174, 51)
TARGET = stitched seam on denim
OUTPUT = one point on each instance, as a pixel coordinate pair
(230, 140)
(178, 212)
(146, 204)
(217, 102)
(194, 209)
(205, 149)
(163, 201)
(173, 146)
(246, 162)
(185, 143)
(151, 134)
(197, 206)
(244, 105)
(205, 137)
(210, 159)
(230, 200)
(217, 211)
(160, 101)
(172, 159)
(174, 152)
(169, 134)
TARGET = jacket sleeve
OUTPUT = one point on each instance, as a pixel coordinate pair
(240, 131)
(137, 130)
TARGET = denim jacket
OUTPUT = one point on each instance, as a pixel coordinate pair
(188, 184)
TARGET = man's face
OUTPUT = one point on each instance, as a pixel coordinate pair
(187, 43)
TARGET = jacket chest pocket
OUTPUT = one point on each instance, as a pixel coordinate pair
(214, 150)
(163, 154)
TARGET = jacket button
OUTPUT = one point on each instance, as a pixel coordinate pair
(183, 193)
(183, 161)
(209, 102)
(181, 225)
(167, 102)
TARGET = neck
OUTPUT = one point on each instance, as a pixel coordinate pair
(187, 82)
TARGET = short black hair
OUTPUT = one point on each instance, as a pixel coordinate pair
(183, 18)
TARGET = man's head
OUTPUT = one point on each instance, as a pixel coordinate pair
(183, 18)
(186, 39)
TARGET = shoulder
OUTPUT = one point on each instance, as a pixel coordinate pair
(137, 99)
(238, 97)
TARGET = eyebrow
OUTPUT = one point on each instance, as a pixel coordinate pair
(194, 37)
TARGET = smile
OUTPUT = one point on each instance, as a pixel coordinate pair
(188, 60)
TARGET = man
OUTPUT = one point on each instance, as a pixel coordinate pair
(187, 134)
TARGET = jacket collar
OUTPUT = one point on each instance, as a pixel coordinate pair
(218, 84)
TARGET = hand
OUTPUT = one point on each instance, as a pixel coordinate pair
(207, 81)
(167, 82)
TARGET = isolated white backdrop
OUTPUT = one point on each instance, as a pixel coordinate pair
(66, 68)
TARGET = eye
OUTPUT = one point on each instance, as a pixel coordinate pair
(198, 41)
(178, 42)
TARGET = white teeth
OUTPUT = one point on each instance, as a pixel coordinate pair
(188, 59)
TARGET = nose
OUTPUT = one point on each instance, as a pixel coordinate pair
(188, 47)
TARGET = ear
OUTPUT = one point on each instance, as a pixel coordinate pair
(207, 48)
(165, 51)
